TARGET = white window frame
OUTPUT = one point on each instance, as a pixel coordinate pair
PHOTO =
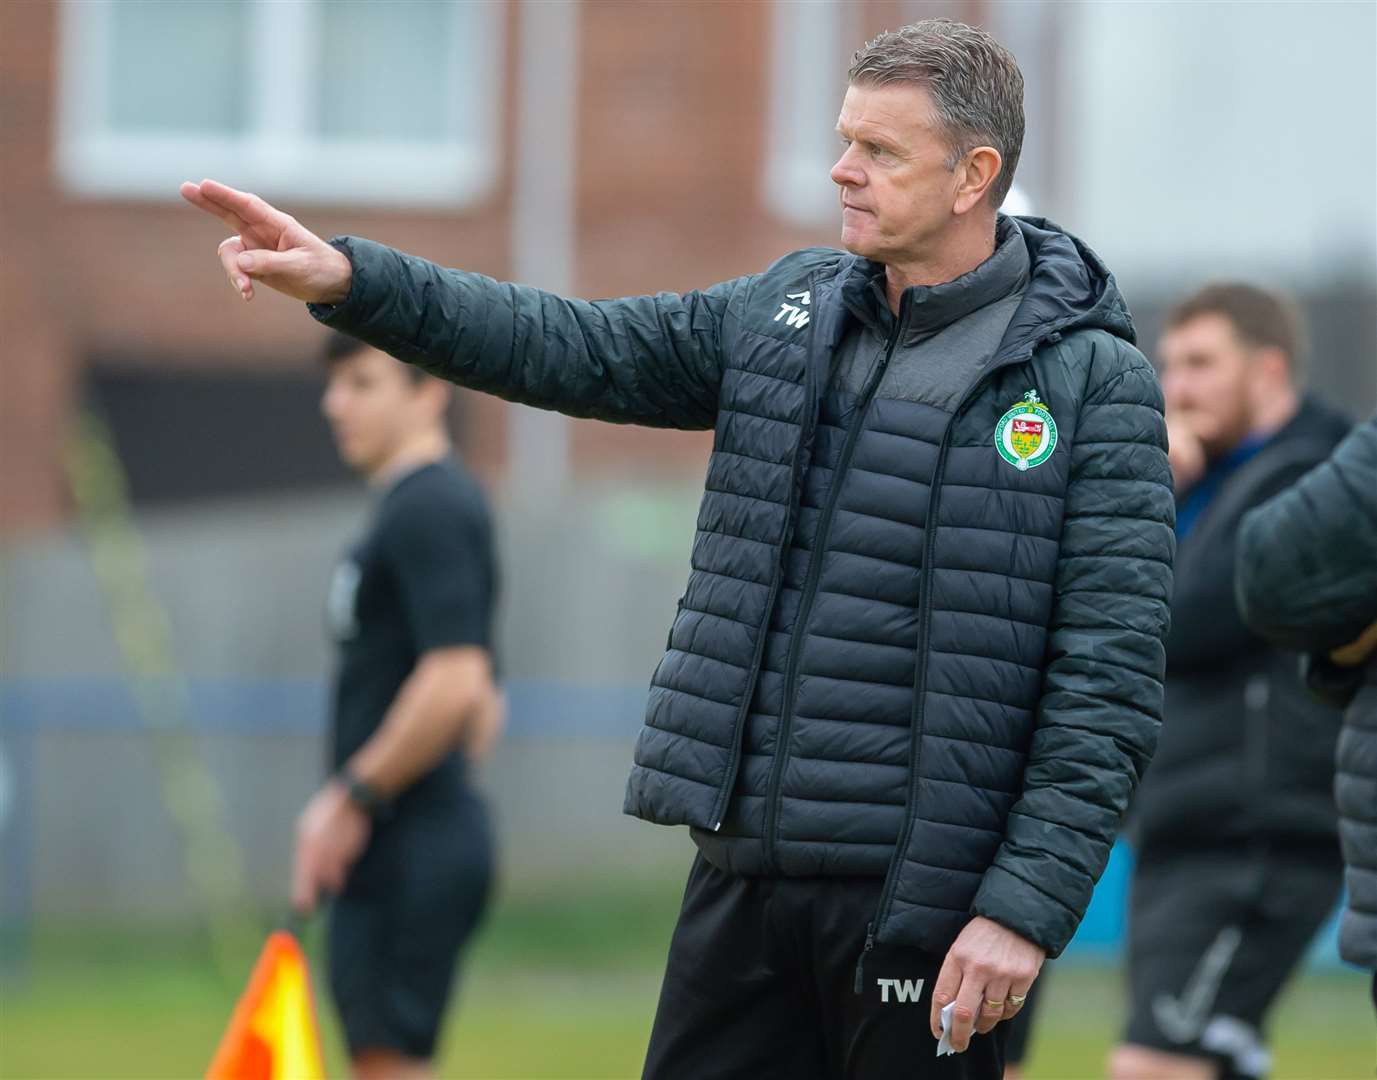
(277, 153)
(807, 81)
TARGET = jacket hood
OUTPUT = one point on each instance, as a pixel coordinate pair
(1069, 287)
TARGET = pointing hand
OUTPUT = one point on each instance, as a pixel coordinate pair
(271, 247)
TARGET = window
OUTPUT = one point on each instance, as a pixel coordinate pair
(189, 434)
(809, 56)
(350, 100)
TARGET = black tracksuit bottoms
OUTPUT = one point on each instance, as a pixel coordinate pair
(761, 985)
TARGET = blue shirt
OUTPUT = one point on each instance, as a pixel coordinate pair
(1191, 505)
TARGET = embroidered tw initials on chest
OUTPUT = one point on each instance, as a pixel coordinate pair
(794, 314)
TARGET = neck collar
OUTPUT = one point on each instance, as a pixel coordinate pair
(926, 309)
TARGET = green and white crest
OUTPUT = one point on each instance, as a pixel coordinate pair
(1026, 435)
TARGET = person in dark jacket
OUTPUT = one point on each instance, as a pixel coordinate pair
(1307, 580)
(917, 670)
(1235, 832)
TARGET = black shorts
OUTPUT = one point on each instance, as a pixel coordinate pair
(1212, 939)
(760, 984)
(397, 929)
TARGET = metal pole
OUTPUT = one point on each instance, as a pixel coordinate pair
(543, 216)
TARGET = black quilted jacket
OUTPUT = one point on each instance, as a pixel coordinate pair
(1039, 596)
(1307, 579)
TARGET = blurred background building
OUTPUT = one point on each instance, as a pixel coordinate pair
(597, 148)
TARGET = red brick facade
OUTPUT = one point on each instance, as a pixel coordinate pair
(673, 101)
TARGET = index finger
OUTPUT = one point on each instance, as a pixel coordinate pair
(238, 209)
(194, 194)
(944, 992)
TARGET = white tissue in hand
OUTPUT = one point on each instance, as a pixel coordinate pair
(944, 1045)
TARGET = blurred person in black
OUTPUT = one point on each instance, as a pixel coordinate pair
(1237, 857)
(397, 835)
(1307, 580)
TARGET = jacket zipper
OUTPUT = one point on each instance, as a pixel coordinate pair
(1050, 335)
(748, 695)
(920, 679)
(810, 586)
(860, 964)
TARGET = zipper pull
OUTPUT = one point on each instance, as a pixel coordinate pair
(860, 963)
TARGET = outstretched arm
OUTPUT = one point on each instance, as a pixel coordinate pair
(655, 360)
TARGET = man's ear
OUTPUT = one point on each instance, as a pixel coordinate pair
(438, 394)
(1274, 362)
(975, 172)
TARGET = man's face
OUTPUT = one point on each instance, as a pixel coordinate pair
(372, 404)
(896, 190)
(1207, 378)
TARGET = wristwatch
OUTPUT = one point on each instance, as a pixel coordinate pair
(366, 797)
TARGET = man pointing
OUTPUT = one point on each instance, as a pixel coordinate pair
(917, 669)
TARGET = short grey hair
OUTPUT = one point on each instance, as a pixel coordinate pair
(974, 82)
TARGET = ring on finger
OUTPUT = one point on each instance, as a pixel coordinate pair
(1017, 1000)
(993, 1006)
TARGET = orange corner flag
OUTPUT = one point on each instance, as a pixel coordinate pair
(272, 1034)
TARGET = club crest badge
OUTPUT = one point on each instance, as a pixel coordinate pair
(1026, 435)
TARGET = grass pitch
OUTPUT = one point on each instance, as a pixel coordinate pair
(561, 990)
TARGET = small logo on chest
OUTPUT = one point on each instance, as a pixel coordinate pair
(793, 313)
(340, 602)
(1026, 435)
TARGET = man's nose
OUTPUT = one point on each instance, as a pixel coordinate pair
(329, 403)
(1174, 390)
(846, 173)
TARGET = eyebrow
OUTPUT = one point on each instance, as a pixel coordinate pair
(871, 140)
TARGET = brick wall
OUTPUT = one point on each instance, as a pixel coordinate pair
(673, 100)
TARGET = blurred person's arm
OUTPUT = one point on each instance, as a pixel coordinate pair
(486, 726)
(1358, 651)
(1307, 559)
(653, 360)
(445, 704)
(435, 711)
(438, 549)
(1337, 676)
